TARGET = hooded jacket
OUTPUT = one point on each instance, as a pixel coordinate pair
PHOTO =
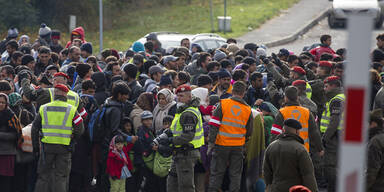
(100, 93)
(80, 31)
(113, 118)
(161, 111)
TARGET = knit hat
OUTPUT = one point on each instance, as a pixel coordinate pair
(44, 30)
(55, 34)
(27, 59)
(264, 107)
(203, 80)
(232, 48)
(138, 46)
(14, 99)
(299, 188)
(298, 70)
(213, 75)
(283, 52)
(146, 115)
(151, 36)
(82, 69)
(219, 55)
(223, 73)
(115, 53)
(251, 46)
(331, 79)
(12, 33)
(86, 47)
(292, 123)
(298, 82)
(165, 80)
(183, 88)
(61, 74)
(62, 87)
(261, 52)
(325, 64)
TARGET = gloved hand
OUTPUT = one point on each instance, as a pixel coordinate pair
(276, 59)
(265, 61)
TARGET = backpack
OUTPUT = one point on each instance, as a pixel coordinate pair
(96, 125)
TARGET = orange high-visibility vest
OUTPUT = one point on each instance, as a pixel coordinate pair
(232, 128)
(301, 114)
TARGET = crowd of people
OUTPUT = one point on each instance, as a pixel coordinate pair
(176, 119)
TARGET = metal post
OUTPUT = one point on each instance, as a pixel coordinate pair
(352, 153)
(211, 12)
(101, 24)
(225, 15)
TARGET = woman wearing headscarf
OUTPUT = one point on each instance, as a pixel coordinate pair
(165, 106)
(10, 138)
(143, 103)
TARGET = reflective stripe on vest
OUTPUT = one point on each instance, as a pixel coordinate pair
(232, 129)
(326, 116)
(72, 97)
(57, 119)
(177, 129)
(308, 90)
(301, 114)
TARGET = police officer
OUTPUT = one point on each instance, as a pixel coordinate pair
(331, 125)
(188, 137)
(292, 110)
(56, 126)
(287, 163)
(45, 95)
(230, 126)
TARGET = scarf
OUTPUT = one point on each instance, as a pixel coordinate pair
(161, 111)
(113, 149)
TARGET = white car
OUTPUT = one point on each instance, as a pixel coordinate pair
(172, 39)
(340, 9)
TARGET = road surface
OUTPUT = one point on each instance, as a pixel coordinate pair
(339, 38)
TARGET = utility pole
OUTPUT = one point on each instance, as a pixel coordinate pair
(101, 24)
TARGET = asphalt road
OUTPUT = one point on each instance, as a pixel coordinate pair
(339, 38)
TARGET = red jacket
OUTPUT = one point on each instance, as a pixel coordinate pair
(115, 163)
(318, 51)
(80, 31)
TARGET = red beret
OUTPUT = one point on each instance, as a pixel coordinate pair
(331, 79)
(298, 82)
(61, 74)
(183, 88)
(325, 64)
(62, 87)
(298, 70)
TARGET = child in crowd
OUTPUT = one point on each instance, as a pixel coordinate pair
(268, 121)
(118, 163)
(133, 183)
(146, 135)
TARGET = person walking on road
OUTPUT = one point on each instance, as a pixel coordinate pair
(331, 126)
(230, 126)
(287, 162)
(188, 137)
(57, 125)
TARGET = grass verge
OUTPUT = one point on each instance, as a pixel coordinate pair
(193, 18)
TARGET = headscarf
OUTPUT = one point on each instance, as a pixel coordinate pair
(22, 37)
(161, 111)
(202, 94)
(113, 149)
(145, 101)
